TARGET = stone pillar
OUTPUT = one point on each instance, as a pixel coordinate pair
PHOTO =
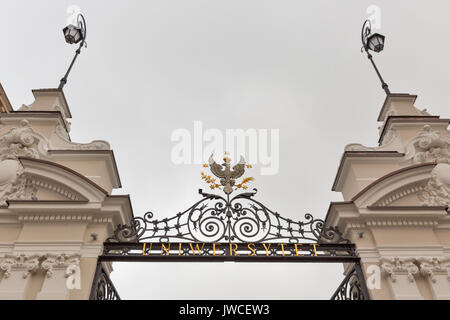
(437, 274)
(17, 271)
(56, 202)
(62, 275)
(396, 199)
(400, 274)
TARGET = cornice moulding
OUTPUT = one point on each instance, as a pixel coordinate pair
(85, 154)
(391, 182)
(393, 121)
(26, 207)
(85, 250)
(53, 91)
(57, 172)
(358, 155)
(34, 117)
(393, 96)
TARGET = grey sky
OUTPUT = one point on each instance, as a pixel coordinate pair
(154, 66)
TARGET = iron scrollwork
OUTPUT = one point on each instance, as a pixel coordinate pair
(102, 287)
(218, 219)
(353, 287)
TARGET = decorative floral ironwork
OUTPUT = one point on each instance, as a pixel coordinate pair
(218, 219)
(353, 287)
(102, 287)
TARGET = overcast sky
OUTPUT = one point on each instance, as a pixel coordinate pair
(152, 67)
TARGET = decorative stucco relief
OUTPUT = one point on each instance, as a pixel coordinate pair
(428, 146)
(22, 141)
(391, 142)
(399, 194)
(36, 183)
(437, 190)
(395, 266)
(431, 266)
(61, 141)
(58, 108)
(28, 263)
(31, 263)
(60, 261)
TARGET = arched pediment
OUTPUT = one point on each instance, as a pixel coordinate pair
(46, 180)
(401, 187)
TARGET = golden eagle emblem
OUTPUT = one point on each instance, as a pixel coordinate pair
(227, 175)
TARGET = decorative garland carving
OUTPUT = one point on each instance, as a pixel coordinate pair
(29, 263)
(430, 266)
(394, 266)
(59, 261)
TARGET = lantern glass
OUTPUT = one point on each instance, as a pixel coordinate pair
(375, 42)
(72, 34)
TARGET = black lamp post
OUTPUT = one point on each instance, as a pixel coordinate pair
(74, 34)
(373, 42)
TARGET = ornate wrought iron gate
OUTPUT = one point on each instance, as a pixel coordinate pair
(237, 228)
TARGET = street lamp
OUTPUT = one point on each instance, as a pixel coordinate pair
(73, 35)
(373, 42)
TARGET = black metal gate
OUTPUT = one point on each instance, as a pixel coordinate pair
(239, 229)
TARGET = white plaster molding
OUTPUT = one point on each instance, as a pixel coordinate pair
(39, 182)
(400, 193)
(391, 142)
(429, 266)
(59, 261)
(437, 271)
(387, 222)
(437, 190)
(42, 248)
(404, 222)
(392, 267)
(66, 179)
(61, 141)
(61, 217)
(28, 263)
(428, 146)
(413, 176)
(20, 141)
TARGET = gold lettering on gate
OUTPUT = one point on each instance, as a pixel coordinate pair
(296, 249)
(267, 248)
(315, 251)
(282, 248)
(196, 248)
(251, 249)
(164, 249)
(149, 249)
(233, 250)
